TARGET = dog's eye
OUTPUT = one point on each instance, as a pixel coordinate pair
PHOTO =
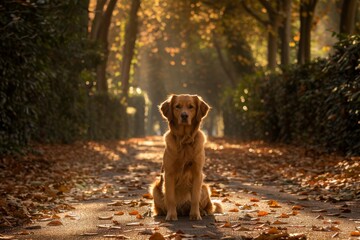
(178, 106)
(191, 106)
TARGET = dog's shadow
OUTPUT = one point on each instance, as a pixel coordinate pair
(201, 229)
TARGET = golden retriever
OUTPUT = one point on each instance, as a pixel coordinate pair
(180, 190)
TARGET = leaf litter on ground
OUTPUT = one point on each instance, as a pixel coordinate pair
(75, 169)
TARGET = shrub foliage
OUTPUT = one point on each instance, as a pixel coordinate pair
(44, 53)
(316, 104)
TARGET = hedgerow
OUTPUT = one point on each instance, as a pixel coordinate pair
(317, 104)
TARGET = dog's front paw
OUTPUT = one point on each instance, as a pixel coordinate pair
(171, 217)
(195, 216)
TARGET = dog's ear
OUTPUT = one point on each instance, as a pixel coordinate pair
(202, 108)
(165, 108)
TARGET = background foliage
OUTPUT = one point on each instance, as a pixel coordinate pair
(316, 104)
(44, 95)
(67, 69)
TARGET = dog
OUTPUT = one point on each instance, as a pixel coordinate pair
(180, 189)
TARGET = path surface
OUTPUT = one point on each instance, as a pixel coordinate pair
(262, 194)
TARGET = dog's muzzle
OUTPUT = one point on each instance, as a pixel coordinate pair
(184, 117)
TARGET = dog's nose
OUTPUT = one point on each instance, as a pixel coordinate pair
(184, 116)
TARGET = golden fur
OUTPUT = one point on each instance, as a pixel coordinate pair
(180, 190)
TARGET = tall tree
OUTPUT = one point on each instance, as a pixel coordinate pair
(348, 13)
(272, 25)
(103, 33)
(129, 45)
(285, 33)
(307, 8)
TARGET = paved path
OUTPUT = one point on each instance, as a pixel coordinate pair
(249, 213)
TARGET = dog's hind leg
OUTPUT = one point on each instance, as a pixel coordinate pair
(156, 190)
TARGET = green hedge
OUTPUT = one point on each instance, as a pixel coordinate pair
(317, 104)
(44, 53)
(106, 118)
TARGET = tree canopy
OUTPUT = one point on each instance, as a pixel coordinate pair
(72, 69)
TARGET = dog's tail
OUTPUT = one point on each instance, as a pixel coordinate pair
(218, 207)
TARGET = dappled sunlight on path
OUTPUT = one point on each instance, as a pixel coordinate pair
(100, 189)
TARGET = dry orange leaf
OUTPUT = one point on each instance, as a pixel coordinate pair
(355, 234)
(139, 216)
(295, 213)
(297, 207)
(147, 196)
(254, 200)
(134, 212)
(157, 236)
(226, 225)
(279, 222)
(234, 210)
(283, 215)
(55, 223)
(273, 230)
(274, 204)
(119, 213)
(262, 213)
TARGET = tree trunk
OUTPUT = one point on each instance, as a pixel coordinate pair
(102, 38)
(286, 34)
(223, 64)
(307, 8)
(130, 39)
(95, 26)
(272, 48)
(348, 13)
(272, 25)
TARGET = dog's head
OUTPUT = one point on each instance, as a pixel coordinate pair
(184, 109)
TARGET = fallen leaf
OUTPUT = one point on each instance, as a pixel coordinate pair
(234, 210)
(55, 216)
(262, 213)
(134, 212)
(318, 210)
(241, 228)
(254, 200)
(273, 230)
(105, 217)
(3, 237)
(147, 196)
(119, 236)
(157, 236)
(331, 222)
(335, 235)
(24, 233)
(139, 216)
(104, 225)
(226, 225)
(89, 234)
(273, 204)
(279, 222)
(119, 213)
(134, 224)
(199, 226)
(283, 215)
(355, 234)
(297, 207)
(55, 223)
